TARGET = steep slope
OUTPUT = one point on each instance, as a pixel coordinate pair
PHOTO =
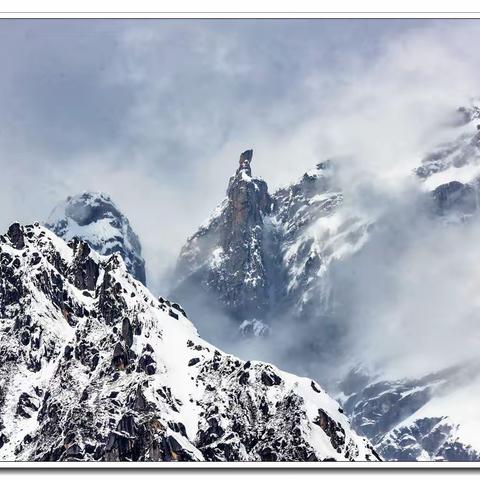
(225, 257)
(265, 257)
(93, 367)
(431, 418)
(315, 230)
(93, 217)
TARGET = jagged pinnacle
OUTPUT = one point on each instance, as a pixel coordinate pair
(245, 159)
(246, 156)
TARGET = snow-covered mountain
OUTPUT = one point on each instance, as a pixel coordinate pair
(264, 257)
(302, 233)
(94, 217)
(94, 367)
(452, 171)
(431, 418)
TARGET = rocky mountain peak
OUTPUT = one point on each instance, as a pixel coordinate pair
(96, 219)
(231, 242)
(256, 251)
(245, 160)
(249, 201)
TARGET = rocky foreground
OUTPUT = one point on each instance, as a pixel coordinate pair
(93, 367)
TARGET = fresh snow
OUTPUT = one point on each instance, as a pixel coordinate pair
(197, 388)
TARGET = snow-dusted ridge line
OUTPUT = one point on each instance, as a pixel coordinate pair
(94, 367)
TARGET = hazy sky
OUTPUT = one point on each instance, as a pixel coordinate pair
(156, 112)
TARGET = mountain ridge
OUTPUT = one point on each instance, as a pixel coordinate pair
(95, 368)
(95, 218)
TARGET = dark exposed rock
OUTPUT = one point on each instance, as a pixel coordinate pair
(150, 369)
(110, 298)
(84, 270)
(26, 404)
(120, 357)
(138, 401)
(15, 234)
(146, 362)
(176, 306)
(127, 331)
(68, 352)
(335, 432)
(455, 197)
(178, 427)
(243, 379)
(269, 379)
(315, 387)
(25, 337)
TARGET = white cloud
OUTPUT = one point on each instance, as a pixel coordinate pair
(156, 114)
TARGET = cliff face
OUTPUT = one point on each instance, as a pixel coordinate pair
(226, 256)
(241, 243)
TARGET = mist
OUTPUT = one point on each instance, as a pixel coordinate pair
(155, 114)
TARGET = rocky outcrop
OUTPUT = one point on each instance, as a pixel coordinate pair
(395, 415)
(456, 199)
(94, 218)
(226, 257)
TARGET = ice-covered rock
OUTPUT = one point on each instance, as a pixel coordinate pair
(94, 218)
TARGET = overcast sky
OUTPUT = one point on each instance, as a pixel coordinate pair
(156, 112)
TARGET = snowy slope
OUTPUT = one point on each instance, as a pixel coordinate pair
(432, 418)
(445, 428)
(451, 173)
(93, 367)
(94, 217)
(315, 230)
